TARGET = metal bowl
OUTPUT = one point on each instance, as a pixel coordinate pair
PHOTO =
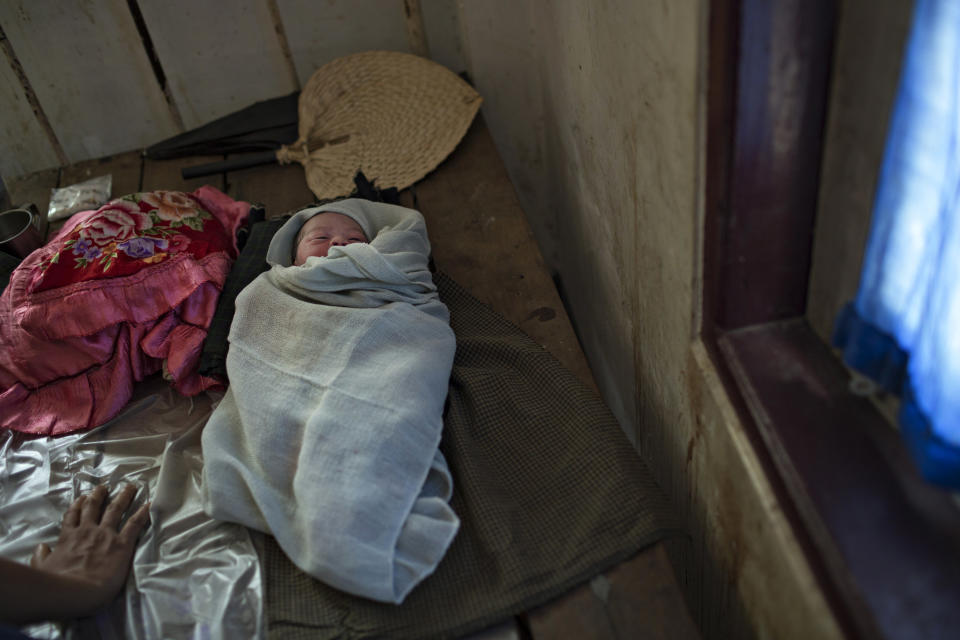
(18, 232)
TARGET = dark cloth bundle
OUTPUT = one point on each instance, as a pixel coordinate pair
(548, 489)
(251, 263)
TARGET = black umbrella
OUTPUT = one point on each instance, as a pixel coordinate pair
(262, 127)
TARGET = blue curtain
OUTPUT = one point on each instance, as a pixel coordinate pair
(903, 329)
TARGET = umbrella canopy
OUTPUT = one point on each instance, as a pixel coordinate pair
(265, 125)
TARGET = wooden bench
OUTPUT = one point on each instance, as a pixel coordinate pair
(481, 238)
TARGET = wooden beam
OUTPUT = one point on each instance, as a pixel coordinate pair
(124, 168)
(165, 174)
(889, 541)
(767, 231)
(280, 188)
(416, 34)
(639, 598)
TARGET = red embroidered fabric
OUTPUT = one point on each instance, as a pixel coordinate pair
(119, 293)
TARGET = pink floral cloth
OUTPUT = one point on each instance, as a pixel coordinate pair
(116, 295)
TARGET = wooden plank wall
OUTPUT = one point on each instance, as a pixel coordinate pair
(125, 74)
(95, 85)
(23, 139)
(217, 61)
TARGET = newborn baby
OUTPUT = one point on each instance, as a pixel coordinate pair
(323, 231)
(340, 460)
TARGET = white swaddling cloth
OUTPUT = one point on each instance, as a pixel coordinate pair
(328, 435)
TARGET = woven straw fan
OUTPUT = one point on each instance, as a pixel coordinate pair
(395, 116)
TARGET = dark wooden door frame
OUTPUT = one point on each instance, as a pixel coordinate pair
(884, 546)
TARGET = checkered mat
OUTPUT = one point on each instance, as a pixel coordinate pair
(549, 491)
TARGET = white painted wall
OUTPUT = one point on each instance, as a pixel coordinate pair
(217, 60)
(596, 108)
(319, 32)
(90, 71)
(87, 66)
(24, 143)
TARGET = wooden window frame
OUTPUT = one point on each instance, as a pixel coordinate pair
(884, 545)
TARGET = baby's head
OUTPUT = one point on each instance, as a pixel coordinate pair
(325, 230)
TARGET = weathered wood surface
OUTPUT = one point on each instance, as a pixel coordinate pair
(508, 630)
(318, 33)
(124, 168)
(26, 145)
(216, 63)
(639, 598)
(91, 75)
(130, 171)
(441, 21)
(33, 188)
(280, 188)
(481, 238)
(165, 174)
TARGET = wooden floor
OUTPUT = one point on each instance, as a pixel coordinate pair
(481, 238)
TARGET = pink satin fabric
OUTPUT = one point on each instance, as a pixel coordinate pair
(69, 357)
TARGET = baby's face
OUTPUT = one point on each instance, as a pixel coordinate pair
(326, 230)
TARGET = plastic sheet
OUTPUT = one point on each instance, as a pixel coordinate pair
(83, 196)
(192, 577)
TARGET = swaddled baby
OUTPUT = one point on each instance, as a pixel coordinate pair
(327, 438)
(323, 231)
